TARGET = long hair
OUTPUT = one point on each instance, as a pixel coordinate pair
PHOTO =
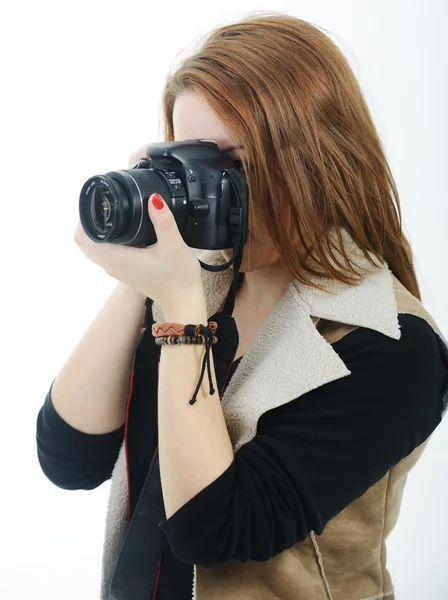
(313, 159)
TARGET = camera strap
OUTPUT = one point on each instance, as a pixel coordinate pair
(238, 227)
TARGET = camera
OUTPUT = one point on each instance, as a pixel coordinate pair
(203, 187)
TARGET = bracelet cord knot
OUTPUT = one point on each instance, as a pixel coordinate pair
(207, 332)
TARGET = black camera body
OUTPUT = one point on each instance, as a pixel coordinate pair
(200, 184)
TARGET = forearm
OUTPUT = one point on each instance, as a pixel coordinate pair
(194, 445)
(90, 391)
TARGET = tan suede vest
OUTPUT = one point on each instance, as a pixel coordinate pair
(291, 355)
(348, 561)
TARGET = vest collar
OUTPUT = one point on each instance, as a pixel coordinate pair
(289, 357)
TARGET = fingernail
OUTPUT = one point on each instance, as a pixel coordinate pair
(157, 201)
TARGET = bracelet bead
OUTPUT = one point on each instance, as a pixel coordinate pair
(177, 340)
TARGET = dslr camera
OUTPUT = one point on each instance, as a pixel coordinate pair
(203, 187)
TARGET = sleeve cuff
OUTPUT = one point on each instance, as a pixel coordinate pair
(210, 506)
(50, 420)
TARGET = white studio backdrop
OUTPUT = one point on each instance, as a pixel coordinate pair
(80, 90)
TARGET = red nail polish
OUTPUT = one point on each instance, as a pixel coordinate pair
(157, 201)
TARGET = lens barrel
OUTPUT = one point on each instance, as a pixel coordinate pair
(113, 207)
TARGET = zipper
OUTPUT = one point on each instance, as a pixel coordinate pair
(193, 591)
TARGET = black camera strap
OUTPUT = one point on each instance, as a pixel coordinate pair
(238, 231)
(238, 227)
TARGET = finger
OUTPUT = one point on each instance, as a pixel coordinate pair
(163, 220)
(79, 235)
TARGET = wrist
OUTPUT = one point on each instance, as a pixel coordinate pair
(187, 316)
(187, 309)
(129, 293)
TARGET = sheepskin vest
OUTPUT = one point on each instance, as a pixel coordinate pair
(292, 355)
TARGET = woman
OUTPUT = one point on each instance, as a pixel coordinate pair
(330, 374)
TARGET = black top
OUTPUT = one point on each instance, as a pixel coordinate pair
(309, 460)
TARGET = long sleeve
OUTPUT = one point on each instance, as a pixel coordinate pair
(315, 455)
(71, 459)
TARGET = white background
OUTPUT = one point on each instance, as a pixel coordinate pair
(80, 90)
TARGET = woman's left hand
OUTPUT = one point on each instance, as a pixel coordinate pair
(167, 272)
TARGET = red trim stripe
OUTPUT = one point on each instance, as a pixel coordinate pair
(225, 380)
(159, 567)
(156, 585)
(128, 403)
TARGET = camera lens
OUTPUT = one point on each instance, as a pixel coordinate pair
(104, 208)
(113, 207)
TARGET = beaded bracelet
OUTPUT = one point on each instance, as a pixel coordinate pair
(176, 340)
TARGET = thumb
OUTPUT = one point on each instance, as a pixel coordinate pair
(163, 220)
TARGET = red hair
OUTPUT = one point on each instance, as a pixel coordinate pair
(313, 158)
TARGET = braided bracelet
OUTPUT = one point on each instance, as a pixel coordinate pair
(163, 329)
